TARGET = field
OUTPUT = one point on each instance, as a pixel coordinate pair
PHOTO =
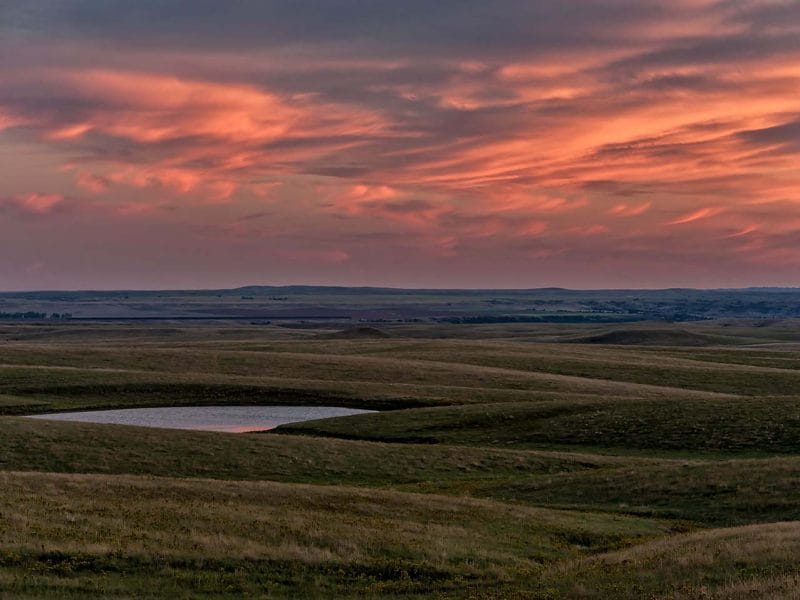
(507, 460)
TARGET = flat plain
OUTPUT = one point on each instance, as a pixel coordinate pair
(507, 460)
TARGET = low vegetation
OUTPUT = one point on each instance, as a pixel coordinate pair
(758, 561)
(508, 460)
(80, 534)
(653, 427)
(41, 445)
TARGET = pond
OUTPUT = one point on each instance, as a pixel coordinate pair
(232, 419)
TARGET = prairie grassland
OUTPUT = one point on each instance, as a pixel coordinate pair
(702, 492)
(34, 445)
(711, 427)
(756, 561)
(713, 493)
(615, 363)
(759, 356)
(376, 374)
(375, 363)
(504, 457)
(129, 535)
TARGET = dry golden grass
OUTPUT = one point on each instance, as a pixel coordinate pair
(126, 524)
(756, 561)
(330, 365)
(783, 587)
(472, 393)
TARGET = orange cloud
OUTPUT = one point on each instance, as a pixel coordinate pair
(573, 141)
(595, 229)
(216, 132)
(359, 198)
(624, 210)
(152, 108)
(533, 228)
(744, 231)
(696, 215)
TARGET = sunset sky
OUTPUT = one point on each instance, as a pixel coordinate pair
(447, 143)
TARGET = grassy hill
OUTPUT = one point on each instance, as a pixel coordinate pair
(89, 534)
(631, 462)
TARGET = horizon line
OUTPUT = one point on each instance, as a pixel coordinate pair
(395, 288)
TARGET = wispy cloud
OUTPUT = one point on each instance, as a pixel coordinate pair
(535, 131)
(702, 213)
(32, 204)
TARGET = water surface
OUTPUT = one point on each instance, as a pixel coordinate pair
(234, 419)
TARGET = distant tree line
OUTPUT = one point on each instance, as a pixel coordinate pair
(577, 318)
(33, 315)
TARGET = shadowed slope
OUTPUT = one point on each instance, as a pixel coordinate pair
(682, 427)
(652, 337)
(36, 445)
(757, 561)
(733, 492)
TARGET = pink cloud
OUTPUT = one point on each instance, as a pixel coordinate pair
(7, 121)
(595, 229)
(34, 203)
(92, 183)
(150, 108)
(672, 116)
(179, 179)
(624, 210)
(533, 228)
(744, 231)
(702, 213)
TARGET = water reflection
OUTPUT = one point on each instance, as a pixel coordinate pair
(232, 419)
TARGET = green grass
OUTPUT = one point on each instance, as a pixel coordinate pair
(373, 374)
(706, 492)
(504, 464)
(641, 366)
(40, 445)
(454, 371)
(730, 492)
(122, 535)
(681, 427)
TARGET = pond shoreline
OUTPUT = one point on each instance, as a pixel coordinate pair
(222, 418)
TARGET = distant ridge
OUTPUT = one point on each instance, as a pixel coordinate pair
(358, 333)
(650, 337)
(386, 304)
(310, 289)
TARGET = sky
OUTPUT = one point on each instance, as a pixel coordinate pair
(456, 143)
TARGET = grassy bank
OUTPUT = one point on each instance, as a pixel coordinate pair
(713, 427)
